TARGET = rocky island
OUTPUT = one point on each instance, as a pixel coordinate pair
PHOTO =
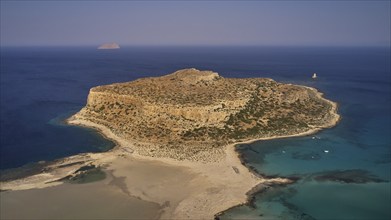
(108, 46)
(192, 114)
(188, 122)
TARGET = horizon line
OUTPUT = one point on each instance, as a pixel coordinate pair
(192, 45)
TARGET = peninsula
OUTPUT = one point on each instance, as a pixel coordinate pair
(188, 121)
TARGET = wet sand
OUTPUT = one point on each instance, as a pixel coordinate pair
(138, 188)
(97, 200)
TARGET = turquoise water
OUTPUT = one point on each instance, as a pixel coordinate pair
(344, 171)
(311, 200)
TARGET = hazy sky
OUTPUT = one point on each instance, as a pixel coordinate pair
(320, 23)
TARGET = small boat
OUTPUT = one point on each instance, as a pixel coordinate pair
(314, 76)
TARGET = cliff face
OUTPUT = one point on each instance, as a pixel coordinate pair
(190, 113)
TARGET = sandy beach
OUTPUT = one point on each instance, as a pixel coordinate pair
(97, 200)
(181, 190)
(185, 189)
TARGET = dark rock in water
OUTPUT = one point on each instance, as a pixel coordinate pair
(165, 204)
(348, 176)
(385, 158)
(294, 178)
(85, 168)
(70, 164)
(306, 156)
(293, 211)
(63, 179)
(89, 175)
(253, 150)
(24, 171)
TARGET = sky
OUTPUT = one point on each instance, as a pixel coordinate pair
(247, 23)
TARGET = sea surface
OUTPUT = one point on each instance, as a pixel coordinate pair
(343, 172)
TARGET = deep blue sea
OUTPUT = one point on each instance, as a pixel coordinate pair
(344, 172)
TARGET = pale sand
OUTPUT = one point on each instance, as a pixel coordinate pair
(98, 200)
(183, 189)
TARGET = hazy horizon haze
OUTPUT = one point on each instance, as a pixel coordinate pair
(248, 23)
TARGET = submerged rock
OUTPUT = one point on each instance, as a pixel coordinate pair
(306, 156)
(348, 176)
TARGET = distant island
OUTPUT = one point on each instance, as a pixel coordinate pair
(190, 119)
(108, 46)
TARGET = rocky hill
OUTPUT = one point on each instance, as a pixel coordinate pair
(191, 114)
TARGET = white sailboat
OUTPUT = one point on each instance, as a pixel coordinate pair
(314, 76)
